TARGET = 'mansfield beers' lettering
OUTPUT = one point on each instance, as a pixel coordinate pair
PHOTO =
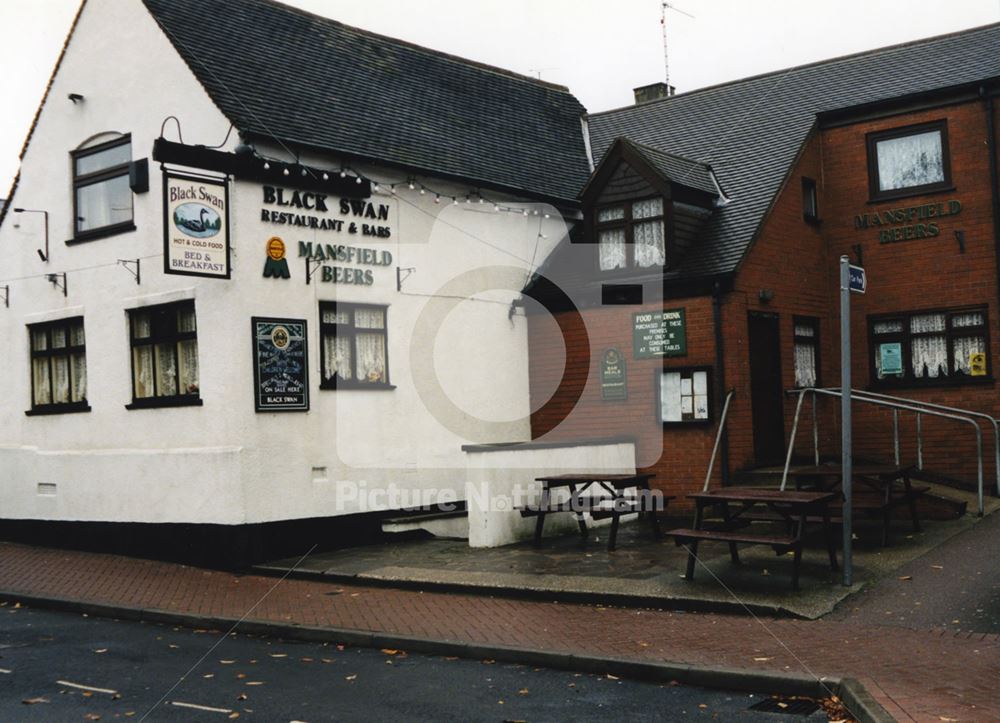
(925, 216)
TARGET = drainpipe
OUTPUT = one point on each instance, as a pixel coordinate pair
(991, 149)
(720, 379)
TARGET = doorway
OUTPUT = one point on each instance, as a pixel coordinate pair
(766, 392)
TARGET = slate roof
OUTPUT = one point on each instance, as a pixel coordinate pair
(751, 131)
(679, 169)
(308, 80)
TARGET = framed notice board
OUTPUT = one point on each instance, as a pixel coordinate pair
(280, 365)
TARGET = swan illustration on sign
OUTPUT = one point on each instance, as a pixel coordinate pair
(197, 220)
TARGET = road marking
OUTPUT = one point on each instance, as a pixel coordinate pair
(195, 706)
(87, 687)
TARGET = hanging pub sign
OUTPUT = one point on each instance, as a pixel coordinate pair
(659, 334)
(195, 226)
(280, 365)
(613, 384)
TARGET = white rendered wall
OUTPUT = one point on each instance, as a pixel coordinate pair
(222, 462)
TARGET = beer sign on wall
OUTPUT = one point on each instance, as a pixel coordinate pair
(280, 365)
(195, 226)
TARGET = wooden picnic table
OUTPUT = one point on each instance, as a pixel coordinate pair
(875, 489)
(611, 500)
(793, 507)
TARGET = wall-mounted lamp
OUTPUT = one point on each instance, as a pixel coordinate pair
(59, 281)
(765, 295)
(44, 256)
(76, 98)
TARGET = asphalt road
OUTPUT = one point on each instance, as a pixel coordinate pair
(52, 666)
(954, 586)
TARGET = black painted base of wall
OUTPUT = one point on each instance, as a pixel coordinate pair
(227, 547)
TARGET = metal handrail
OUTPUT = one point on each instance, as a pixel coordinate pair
(931, 405)
(718, 436)
(862, 396)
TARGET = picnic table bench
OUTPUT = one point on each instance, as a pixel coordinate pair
(793, 507)
(611, 500)
(875, 490)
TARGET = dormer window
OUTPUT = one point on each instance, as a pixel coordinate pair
(631, 235)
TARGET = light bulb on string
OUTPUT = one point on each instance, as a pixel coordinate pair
(267, 166)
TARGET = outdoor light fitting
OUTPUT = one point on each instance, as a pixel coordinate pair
(44, 256)
(76, 98)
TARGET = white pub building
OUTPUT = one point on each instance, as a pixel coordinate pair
(263, 267)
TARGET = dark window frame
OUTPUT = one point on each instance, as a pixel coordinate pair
(814, 341)
(689, 370)
(873, 139)
(628, 223)
(89, 179)
(49, 353)
(157, 335)
(810, 200)
(906, 337)
(327, 328)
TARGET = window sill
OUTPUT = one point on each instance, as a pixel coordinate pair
(356, 386)
(917, 384)
(98, 233)
(49, 409)
(909, 193)
(186, 400)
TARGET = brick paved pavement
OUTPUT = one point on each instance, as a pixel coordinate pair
(915, 675)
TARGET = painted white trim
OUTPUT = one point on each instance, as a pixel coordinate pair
(40, 317)
(165, 297)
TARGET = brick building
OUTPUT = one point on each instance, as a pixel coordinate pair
(727, 209)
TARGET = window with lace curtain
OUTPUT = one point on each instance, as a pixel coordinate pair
(58, 367)
(806, 350)
(164, 341)
(930, 348)
(353, 346)
(908, 161)
(631, 235)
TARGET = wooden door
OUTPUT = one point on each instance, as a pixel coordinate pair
(766, 392)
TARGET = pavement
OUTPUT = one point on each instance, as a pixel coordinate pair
(642, 571)
(913, 674)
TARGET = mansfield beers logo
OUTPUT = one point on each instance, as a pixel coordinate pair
(196, 226)
(276, 265)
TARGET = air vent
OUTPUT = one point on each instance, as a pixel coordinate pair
(791, 706)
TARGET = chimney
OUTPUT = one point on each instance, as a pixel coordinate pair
(655, 91)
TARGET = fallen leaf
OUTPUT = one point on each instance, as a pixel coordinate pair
(35, 701)
(523, 691)
(87, 694)
(906, 577)
(208, 675)
(116, 696)
(241, 676)
(327, 660)
(489, 662)
(613, 677)
(340, 647)
(241, 696)
(763, 660)
(351, 677)
(279, 655)
(937, 567)
(255, 682)
(101, 650)
(129, 713)
(306, 660)
(765, 572)
(227, 662)
(171, 645)
(389, 651)
(233, 715)
(702, 705)
(782, 705)
(91, 716)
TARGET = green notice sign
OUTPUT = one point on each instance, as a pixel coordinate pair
(659, 334)
(613, 385)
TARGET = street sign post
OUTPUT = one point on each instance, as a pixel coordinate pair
(852, 280)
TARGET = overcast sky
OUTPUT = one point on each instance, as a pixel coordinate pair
(601, 49)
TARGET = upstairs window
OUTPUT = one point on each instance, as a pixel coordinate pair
(631, 235)
(58, 367)
(909, 161)
(930, 348)
(102, 197)
(164, 356)
(810, 200)
(354, 346)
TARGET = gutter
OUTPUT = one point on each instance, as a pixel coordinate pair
(720, 379)
(991, 149)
